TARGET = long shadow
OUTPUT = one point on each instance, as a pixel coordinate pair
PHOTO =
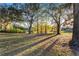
(7, 41)
(24, 37)
(33, 36)
(14, 52)
(48, 48)
(37, 51)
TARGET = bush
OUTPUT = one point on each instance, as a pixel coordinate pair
(11, 29)
(16, 30)
(20, 31)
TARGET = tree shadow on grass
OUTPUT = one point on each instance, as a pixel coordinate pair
(18, 50)
(44, 53)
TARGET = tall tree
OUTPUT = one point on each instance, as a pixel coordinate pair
(57, 13)
(9, 13)
(32, 8)
(74, 43)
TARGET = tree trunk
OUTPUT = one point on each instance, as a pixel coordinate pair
(74, 43)
(58, 28)
(45, 28)
(30, 27)
(41, 27)
(37, 27)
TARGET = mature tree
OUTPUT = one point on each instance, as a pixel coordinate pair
(32, 8)
(8, 14)
(56, 11)
(56, 15)
(74, 43)
(37, 14)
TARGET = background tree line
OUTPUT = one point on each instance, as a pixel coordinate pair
(39, 17)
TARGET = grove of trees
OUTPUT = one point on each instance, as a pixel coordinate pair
(40, 18)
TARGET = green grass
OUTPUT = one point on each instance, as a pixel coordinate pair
(18, 41)
(62, 47)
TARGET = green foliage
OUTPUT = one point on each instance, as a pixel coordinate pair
(48, 28)
(16, 30)
(10, 28)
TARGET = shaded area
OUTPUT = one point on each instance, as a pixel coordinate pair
(14, 52)
(49, 48)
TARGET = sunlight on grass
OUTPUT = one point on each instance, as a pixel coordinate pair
(34, 48)
(62, 47)
(20, 43)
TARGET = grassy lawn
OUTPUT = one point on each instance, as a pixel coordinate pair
(62, 47)
(16, 43)
(21, 44)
